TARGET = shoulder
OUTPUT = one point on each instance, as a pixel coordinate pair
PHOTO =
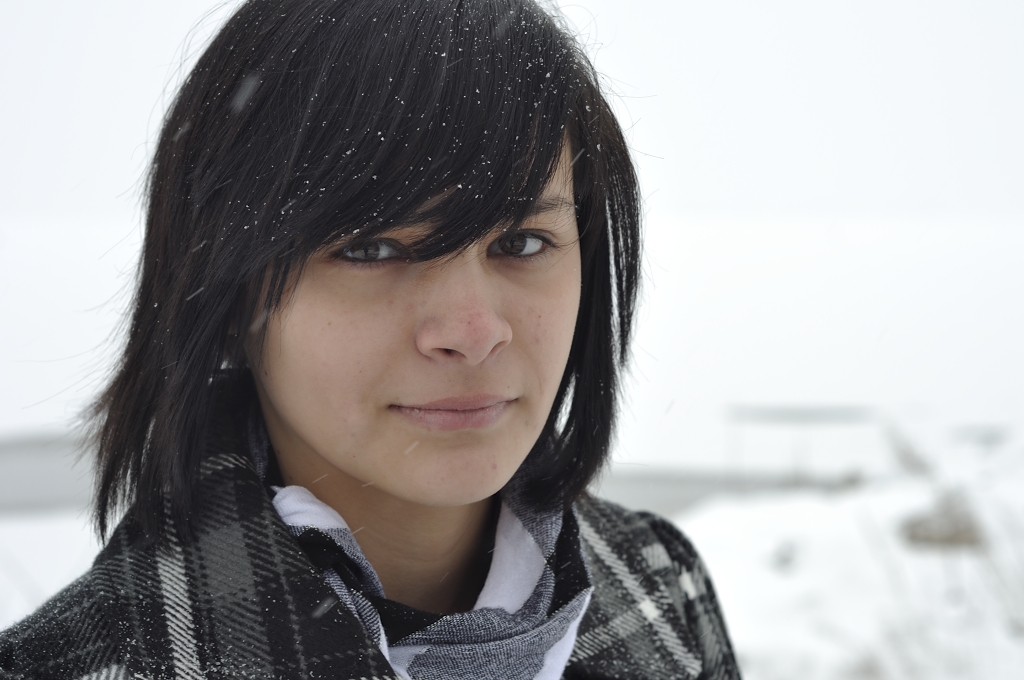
(650, 543)
(73, 635)
(237, 598)
(644, 545)
(656, 539)
(654, 612)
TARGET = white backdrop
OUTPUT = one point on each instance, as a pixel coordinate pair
(833, 191)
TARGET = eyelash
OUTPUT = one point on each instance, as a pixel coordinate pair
(340, 254)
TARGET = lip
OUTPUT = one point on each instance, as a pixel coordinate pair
(456, 413)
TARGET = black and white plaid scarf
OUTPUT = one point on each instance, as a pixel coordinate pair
(524, 623)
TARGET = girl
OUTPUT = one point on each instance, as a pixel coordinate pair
(388, 283)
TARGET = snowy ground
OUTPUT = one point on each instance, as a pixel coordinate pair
(904, 578)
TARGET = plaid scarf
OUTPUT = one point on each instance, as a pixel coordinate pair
(524, 623)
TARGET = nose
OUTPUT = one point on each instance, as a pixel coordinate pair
(461, 317)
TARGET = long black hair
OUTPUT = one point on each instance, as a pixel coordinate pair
(306, 122)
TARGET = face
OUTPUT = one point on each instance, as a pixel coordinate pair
(429, 381)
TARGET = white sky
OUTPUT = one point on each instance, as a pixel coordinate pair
(834, 197)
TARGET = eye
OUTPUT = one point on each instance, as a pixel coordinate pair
(520, 244)
(370, 251)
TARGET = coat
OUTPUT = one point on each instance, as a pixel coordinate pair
(242, 600)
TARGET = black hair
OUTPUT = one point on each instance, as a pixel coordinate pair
(306, 122)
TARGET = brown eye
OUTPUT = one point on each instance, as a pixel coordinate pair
(521, 245)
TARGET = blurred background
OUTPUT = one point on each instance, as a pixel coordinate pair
(827, 391)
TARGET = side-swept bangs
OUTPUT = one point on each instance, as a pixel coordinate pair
(307, 122)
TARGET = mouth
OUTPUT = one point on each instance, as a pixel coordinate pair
(456, 413)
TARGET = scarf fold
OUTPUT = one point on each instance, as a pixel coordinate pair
(524, 623)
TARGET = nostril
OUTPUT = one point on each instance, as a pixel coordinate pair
(460, 334)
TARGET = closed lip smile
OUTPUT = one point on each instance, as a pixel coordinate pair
(456, 413)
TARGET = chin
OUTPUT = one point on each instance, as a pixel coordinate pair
(452, 498)
(450, 488)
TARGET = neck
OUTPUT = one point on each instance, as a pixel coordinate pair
(431, 558)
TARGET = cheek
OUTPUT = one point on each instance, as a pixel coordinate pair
(547, 324)
(549, 328)
(325, 357)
